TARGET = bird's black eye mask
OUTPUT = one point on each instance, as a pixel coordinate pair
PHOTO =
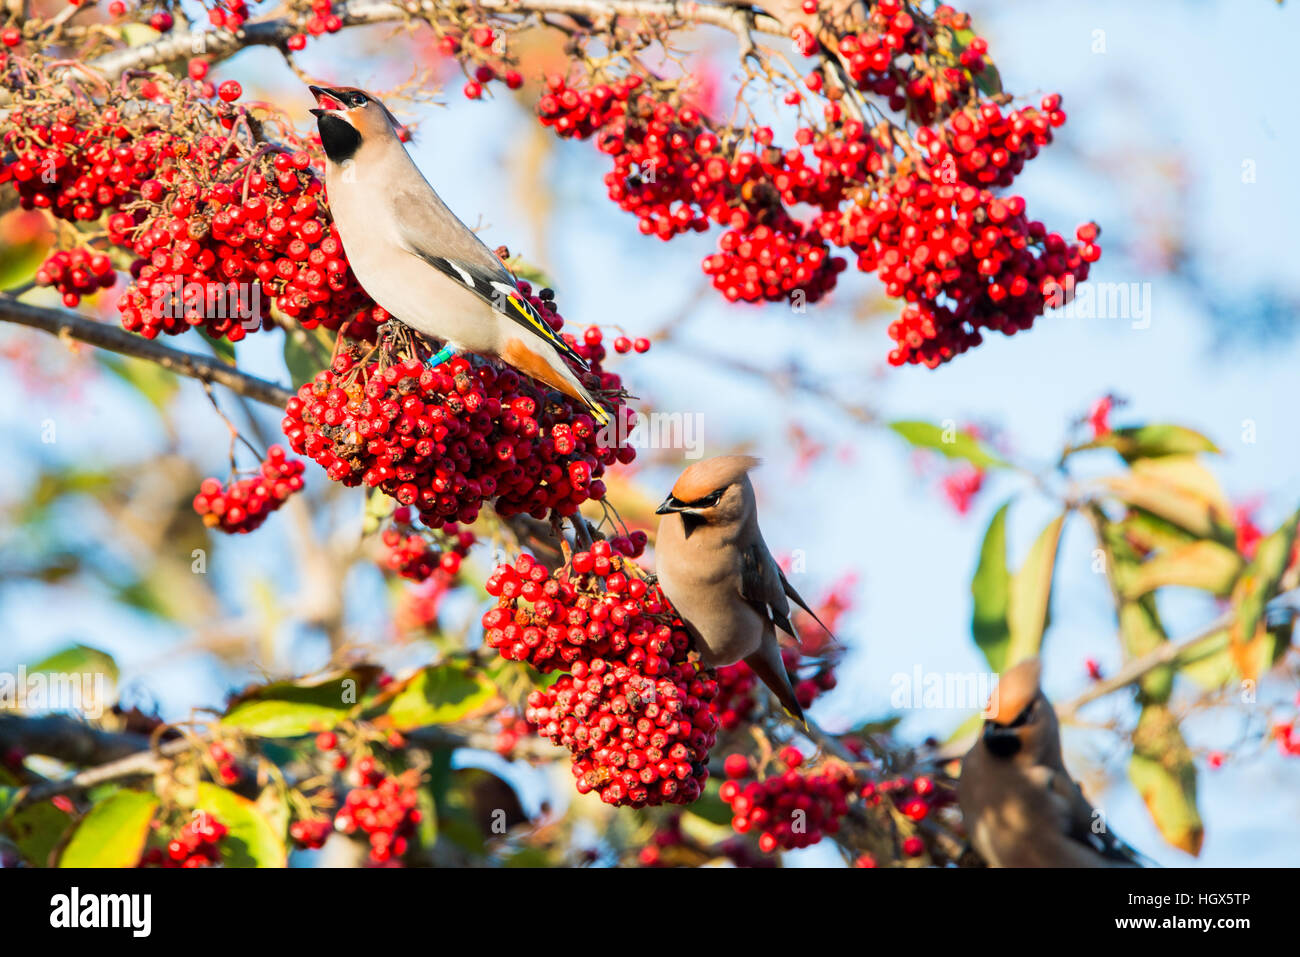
(691, 519)
(1001, 739)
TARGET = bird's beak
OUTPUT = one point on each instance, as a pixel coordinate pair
(1002, 742)
(327, 101)
(671, 504)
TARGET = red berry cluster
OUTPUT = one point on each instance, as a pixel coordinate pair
(76, 273)
(511, 728)
(227, 769)
(246, 503)
(634, 710)
(229, 14)
(961, 485)
(196, 844)
(915, 797)
(74, 165)
(218, 231)
(789, 810)
(448, 439)
(412, 554)
(382, 807)
(919, 211)
(310, 833)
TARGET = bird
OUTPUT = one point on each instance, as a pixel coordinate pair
(715, 569)
(1020, 805)
(417, 260)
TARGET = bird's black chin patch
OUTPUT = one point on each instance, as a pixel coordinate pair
(1001, 742)
(690, 522)
(339, 137)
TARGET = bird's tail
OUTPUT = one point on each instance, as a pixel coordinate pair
(555, 374)
(767, 664)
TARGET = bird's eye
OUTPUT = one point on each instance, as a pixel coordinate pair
(357, 99)
(711, 499)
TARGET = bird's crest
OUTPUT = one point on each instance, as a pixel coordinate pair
(1018, 687)
(712, 474)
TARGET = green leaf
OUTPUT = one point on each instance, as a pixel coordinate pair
(300, 357)
(1031, 595)
(1179, 490)
(288, 709)
(252, 840)
(1163, 772)
(8, 799)
(79, 676)
(113, 833)
(81, 659)
(38, 829)
(710, 806)
(953, 443)
(1257, 586)
(991, 591)
(438, 694)
(988, 81)
(1206, 565)
(1151, 441)
(1212, 663)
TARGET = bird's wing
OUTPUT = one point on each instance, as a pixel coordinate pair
(789, 590)
(1079, 818)
(761, 585)
(427, 226)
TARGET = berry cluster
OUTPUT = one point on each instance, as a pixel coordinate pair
(74, 165)
(788, 810)
(448, 439)
(310, 833)
(382, 807)
(916, 798)
(227, 769)
(218, 232)
(511, 728)
(634, 709)
(246, 503)
(417, 553)
(196, 844)
(76, 273)
(919, 210)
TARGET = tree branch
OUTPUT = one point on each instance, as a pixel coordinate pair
(1164, 654)
(69, 325)
(218, 45)
(67, 739)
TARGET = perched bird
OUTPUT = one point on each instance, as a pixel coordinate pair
(714, 566)
(1021, 807)
(416, 259)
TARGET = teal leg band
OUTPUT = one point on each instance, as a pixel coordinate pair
(441, 356)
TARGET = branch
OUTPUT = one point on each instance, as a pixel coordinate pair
(217, 45)
(1164, 654)
(69, 325)
(67, 739)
